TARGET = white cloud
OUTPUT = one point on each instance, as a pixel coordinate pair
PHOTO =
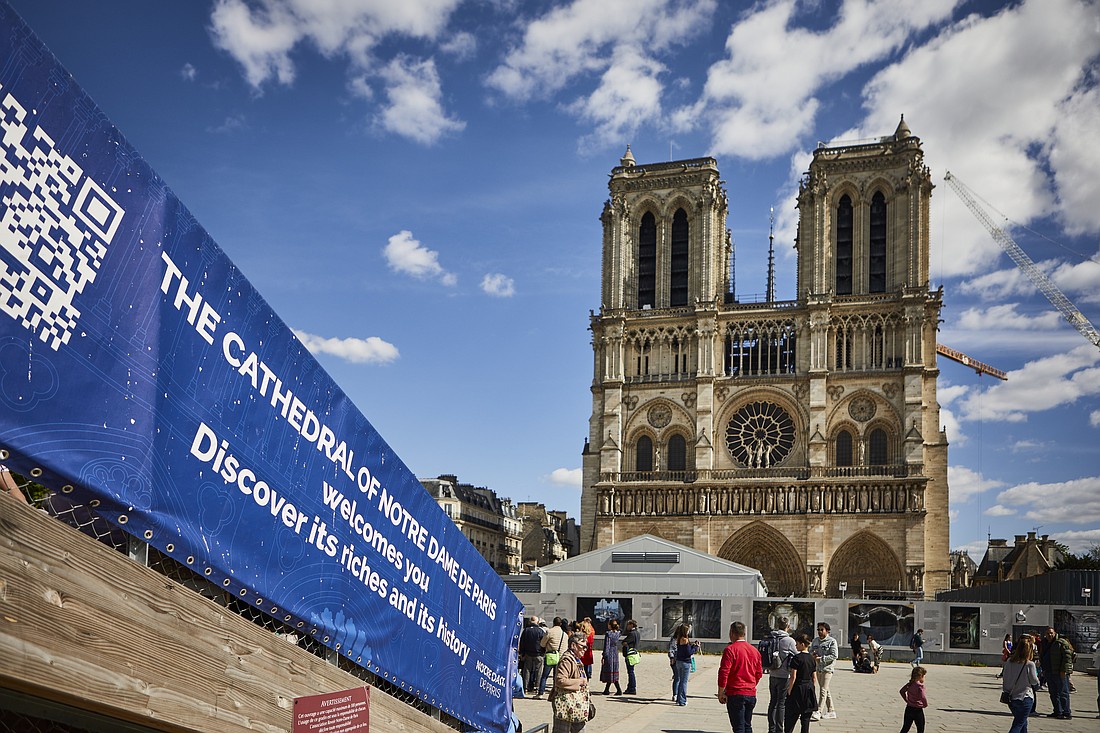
(583, 37)
(999, 511)
(976, 550)
(262, 38)
(998, 285)
(946, 395)
(231, 124)
(372, 350)
(1040, 385)
(964, 484)
(628, 96)
(1081, 281)
(566, 477)
(405, 254)
(1001, 144)
(1074, 157)
(760, 101)
(620, 42)
(1070, 502)
(188, 72)
(1094, 418)
(414, 109)
(497, 285)
(1078, 541)
(461, 45)
(1006, 318)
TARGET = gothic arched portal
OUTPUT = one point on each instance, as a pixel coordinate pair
(864, 560)
(763, 547)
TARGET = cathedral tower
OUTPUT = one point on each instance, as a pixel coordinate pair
(802, 437)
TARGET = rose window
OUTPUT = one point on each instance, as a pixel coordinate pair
(760, 435)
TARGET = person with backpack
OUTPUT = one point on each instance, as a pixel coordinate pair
(917, 645)
(776, 651)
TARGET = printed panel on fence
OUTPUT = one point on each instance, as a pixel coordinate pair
(144, 375)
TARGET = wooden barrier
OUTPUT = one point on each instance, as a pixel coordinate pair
(83, 626)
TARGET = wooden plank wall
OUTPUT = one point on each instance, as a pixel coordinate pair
(82, 625)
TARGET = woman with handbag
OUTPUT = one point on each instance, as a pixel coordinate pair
(631, 656)
(1018, 677)
(569, 696)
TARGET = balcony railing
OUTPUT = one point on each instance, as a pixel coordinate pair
(886, 497)
(801, 473)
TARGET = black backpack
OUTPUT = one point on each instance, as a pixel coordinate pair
(769, 653)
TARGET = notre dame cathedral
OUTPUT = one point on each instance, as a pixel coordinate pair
(800, 437)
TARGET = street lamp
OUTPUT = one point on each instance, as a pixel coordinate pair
(1087, 593)
(843, 587)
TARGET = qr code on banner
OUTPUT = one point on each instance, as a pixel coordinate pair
(55, 225)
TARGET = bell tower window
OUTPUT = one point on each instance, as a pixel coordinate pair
(647, 261)
(678, 283)
(876, 265)
(844, 246)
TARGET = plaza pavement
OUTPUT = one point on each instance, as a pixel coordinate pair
(960, 700)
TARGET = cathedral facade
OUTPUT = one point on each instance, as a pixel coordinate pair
(801, 437)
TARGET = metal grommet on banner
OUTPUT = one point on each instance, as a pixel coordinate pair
(300, 623)
(4, 454)
(36, 472)
(93, 503)
(259, 601)
(286, 618)
(122, 519)
(148, 534)
(244, 592)
(325, 639)
(207, 572)
(226, 582)
(190, 559)
(67, 489)
(338, 647)
(274, 610)
(170, 547)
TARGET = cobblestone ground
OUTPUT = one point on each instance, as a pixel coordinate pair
(961, 700)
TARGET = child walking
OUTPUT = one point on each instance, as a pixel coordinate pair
(915, 700)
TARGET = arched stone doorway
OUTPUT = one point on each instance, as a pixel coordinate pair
(763, 547)
(864, 560)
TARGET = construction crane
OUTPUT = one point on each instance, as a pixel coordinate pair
(979, 366)
(1046, 287)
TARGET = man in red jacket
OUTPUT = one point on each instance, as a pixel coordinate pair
(738, 674)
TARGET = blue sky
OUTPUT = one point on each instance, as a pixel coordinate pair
(415, 187)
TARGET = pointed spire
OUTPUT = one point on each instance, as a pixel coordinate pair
(903, 130)
(627, 161)
(770, 297)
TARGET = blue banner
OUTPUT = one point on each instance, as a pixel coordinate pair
(142, 374)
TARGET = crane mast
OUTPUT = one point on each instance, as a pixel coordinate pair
(1046, 287)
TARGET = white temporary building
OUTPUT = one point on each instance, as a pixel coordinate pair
(648, 565)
